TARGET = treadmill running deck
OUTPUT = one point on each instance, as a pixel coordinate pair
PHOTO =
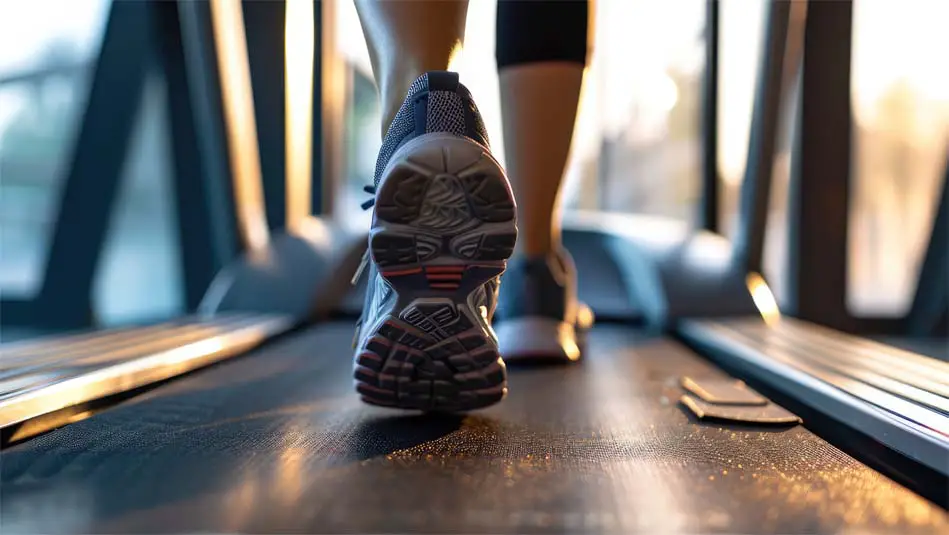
(277, 442)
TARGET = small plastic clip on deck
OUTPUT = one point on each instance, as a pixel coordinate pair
(769, 414)
(727, 399)
(723, 391)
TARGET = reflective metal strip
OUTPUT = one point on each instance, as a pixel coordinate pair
(138, 371)
(844, 381)
(25, 349)
(888, 378)
(850, 347)
(49, 354)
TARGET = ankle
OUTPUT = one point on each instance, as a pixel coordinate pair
(394, 87)
(538, 248)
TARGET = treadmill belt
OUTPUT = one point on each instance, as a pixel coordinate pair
(277, 442)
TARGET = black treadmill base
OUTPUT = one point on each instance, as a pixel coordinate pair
(277, 442)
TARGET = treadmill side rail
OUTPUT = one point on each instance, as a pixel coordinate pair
(898, 398)
(44, 376)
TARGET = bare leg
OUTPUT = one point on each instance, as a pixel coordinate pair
(407, 38)
(541, 52)
(539, 108)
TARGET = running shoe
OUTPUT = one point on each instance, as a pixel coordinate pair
(540, 319)
(443, 227)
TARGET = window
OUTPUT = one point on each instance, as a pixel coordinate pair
(642, 107)
(636, 144)
(45, 66)
(361, 127)
(900, 102)
(139, 274)
(741, 34)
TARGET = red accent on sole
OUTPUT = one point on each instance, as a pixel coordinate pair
(445, 269)
(444, 276)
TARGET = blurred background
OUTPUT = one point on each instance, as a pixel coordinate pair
(636, 150)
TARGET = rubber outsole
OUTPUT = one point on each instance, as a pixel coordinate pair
(444, 226)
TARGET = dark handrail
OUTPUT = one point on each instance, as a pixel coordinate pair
(756, 186)
(927, 316)
(708, 214)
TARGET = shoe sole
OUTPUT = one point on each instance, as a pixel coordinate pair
(444, 224)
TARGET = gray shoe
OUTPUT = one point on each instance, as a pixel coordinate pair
(540, 318)
(443, 228)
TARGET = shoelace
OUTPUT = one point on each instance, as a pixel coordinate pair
(365, 256)
(372, 200)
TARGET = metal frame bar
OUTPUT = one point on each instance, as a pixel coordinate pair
(206, 244)
(331, 92)
(819, 195)
(265, 25)
(90, 189)
(756, 186)
(229, 36)
(318, 205)
(928, 314)
(201, 70)
(708, 207)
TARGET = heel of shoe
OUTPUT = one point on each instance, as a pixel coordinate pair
(443, 198)
(444, 225)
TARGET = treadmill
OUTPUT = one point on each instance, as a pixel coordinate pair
(701, 406)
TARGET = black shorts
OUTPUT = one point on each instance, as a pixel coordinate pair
(532, 31)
